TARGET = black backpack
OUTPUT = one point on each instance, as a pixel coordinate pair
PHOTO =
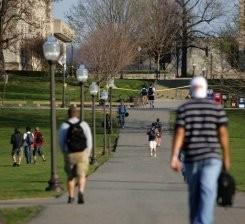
(226, 189)
(150, 91)
(152, 134)
(29, 139)
(144, 92)
(76, 139)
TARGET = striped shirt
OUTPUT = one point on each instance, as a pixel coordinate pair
(201, 119)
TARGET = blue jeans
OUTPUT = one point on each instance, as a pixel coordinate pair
(121, 120)
(28, 154)
(202, 177)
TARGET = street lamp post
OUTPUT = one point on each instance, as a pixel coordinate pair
(110, 85)
(51, 50)
(82, 76)
(139, 50)
(93, 91)
(104, 97)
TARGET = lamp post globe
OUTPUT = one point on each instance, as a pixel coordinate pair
(93, 89)
(82, 77)
(104, 95)
(51, 50)
(82, 74)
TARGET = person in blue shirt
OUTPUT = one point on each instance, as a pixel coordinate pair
(122, 111)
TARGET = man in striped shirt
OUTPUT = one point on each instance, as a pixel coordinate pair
(200, 132)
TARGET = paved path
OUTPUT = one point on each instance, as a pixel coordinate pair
(133, 188)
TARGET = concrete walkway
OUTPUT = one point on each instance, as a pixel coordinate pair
(133, 188)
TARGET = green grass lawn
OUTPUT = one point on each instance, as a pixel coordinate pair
(37, 88)
(18, 215)
(31, 180)
(237, 140)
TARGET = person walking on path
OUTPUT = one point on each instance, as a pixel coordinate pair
(76, 144)
(158, 125)
(144, 97)
(28, 143)
(151, 95)
(38, 145)
(17, 142)
(201, 128)
(152, 136)
(122, 112)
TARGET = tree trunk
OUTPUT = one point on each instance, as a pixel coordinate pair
(184, 61)
(2, 62)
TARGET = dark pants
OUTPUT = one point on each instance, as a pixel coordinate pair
(28, 154)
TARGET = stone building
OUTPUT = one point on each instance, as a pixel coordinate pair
(20, 56)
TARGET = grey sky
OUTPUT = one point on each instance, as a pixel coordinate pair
(61, 8)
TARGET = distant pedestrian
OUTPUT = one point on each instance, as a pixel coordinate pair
(17, 142)
(144, 93)
(151, 95)
(152, 136)
(28, 138)
(201, 129)
(122, 113)
(158, 125)
(76, 144)
(38, 145)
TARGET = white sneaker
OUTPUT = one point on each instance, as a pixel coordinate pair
(155, 155)
(151, 154)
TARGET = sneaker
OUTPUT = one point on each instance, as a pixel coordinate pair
(151, 154)
(155, 155)
(70, 200)
(80, 198)
(14, 164)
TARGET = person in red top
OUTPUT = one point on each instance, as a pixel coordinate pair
(38, 145)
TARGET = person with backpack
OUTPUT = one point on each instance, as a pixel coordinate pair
(144, 97)
(28, 138)
(76, 143)
(122, 113)
(158, 125)
(152, 135)
(17, 142)
(151, 95)
(38, 145)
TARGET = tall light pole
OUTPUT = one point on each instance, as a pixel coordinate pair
(51, 50)
(139, 50)
(104, 97)
(82, 77)
(111, 86)
(93, 89)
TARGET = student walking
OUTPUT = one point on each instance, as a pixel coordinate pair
(122, 113)
(151, 95)
(17, 141)
(76, 145)
(38, 145)
(152, 135)
(28, 143)
(144, 97)
(201, 129)
(158, 125)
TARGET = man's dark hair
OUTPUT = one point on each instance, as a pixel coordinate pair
(28, 129)
(158, 119)
(72, 111)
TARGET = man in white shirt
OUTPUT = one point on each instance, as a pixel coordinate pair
(76, 144)
(28, 144)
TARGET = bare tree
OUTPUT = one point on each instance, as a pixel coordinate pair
(86, 16)
(195, 16)
(160, 26)
(107, 51)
